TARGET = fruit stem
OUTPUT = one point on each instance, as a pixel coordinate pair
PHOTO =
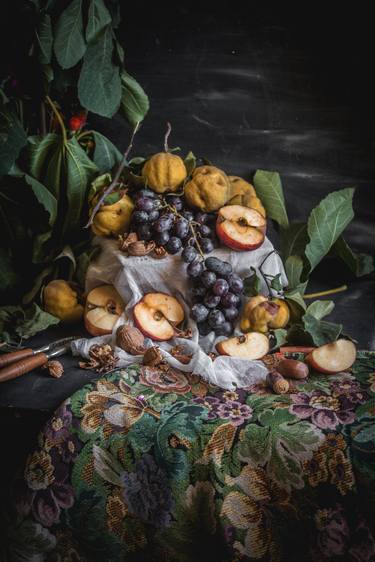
(59, 118)
(171, 208)
(264, 275)
(169, 129)
(324, 293)
(115, 180)
(43, 118)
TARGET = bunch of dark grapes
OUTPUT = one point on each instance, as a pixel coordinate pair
(170, 224)
(216, 294)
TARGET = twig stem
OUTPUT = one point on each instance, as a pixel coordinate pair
(325, 293)
(59, 118)
(115, 180)
(169, 129)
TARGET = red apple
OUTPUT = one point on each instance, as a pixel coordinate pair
(333, 357)
(253, 345)
(103, 308)
(157, 315)
(240, 228)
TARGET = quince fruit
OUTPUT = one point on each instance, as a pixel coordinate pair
(243, 193)
(113, 219)
(260, 314)
(208, 190)
(164, 172)
(61, 300)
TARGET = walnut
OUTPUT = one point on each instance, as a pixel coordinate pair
(140, 248)
(152, 357)
(130, 339)
(159, 252)
(55, 369)
(102, 359)
(179, 353)
(126, 239)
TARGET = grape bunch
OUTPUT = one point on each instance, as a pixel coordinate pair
(216, 294)
(170, 224)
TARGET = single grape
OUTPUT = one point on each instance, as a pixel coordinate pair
(235, 284)
(224, 329)
(195, 268)
(161, 238)
(188, 215)
(163, 223)
(145, 204)
(204, 230)
(198, 293)
(153, 215)
(208, 278)
(206, 245)
(231, 313)
(144, 232)
(169, 215)
(176, 202)
(204, 328)
(140, 217)
(229, 300)
(181, 228)
(216, 319)
(220, 267)
(199, 312)
(220, 287)
(189, 254)
(211, 301)
(201, 217)
(173, 245)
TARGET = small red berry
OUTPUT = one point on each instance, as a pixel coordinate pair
(77, 122)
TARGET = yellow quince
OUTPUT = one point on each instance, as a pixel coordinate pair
(113, 219)
(208, 189)
(61, 300)
(164, 172)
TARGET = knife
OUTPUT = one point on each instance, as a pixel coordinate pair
(13, 356)
(32, 362)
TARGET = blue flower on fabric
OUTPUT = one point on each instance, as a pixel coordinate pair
(147, 494)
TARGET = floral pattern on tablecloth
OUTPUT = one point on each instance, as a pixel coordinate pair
(141, 466)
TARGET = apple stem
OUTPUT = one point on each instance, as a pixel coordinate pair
(169, 129)
(115, 180)
(324, 293)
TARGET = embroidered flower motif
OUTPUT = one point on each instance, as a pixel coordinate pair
(333, 531)
(165, 381)
(116, 511)
(341, 472)
(234, 411)
(39, 473)
(199, 387)
(316, 469)
(371, 381)
(211, 403)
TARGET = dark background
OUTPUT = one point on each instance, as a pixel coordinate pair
(247, 89)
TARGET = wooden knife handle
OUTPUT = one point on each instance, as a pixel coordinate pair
(13, 356)
(23, 366)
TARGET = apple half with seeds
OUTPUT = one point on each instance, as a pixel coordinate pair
(333, 357)
(253, 345)
(104, 307)
(240, 228)
(157, 315)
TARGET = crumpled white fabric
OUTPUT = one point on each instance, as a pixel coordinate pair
(135, 276)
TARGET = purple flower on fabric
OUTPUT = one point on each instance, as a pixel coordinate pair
(59, 426)
(363, 543)
(147, 493)
(234, 411)
(209, 402)
(326, 411)
(333, 531)
(47, 504)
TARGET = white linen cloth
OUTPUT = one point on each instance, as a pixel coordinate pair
(135, 276)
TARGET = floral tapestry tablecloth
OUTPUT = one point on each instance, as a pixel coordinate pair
(143, 465)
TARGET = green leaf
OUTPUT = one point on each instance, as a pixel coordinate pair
(45, 39)
(36, 320)
(42, 194)
(190, 163)
(322, 332)
(12, 139)
(106, 155)
(319, 309)
(69, 44)
(293, 269)
(326, 222)
(359, 264)
(98, 184)
(38, 150)
(294, 239)
(8, 277)
(134, 101)
(252, 284)
(99, 84)
(107, 466)
(276, 284)
(295, 299)
(98, 18)
(269, 189)
(280, 337)
(79, 173)
(142, 434)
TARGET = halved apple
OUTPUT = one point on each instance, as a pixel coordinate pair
(240, 228)
(249, 346)
(103, 308)
(333, 357)
(157, 315)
